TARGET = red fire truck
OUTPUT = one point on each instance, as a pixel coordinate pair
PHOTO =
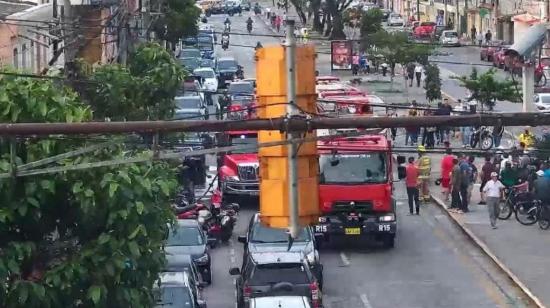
(238, 169)
(355, 189)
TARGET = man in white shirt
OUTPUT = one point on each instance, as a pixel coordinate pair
(493, 191)
(505, 159)
(418, 70)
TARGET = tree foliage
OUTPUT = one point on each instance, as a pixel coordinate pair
(144, 90)
(87, 238)
(371, 22)
(432, 83)
(178, 19)
(334, 10)
(487, 89)
(395, 48)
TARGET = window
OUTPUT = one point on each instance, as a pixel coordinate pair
(353, 168)
(268, 274)
(185, 236)
(15, 58)
(24, 56)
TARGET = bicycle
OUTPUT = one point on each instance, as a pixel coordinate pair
(543, 215)
(520, 203)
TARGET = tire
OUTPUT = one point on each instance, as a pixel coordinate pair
(208, 277)
(522, 216)
(486, 143)
(389, 241)
(544, 223)
(506, 210)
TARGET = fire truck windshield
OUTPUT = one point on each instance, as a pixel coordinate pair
(353, 168)
(244, 140)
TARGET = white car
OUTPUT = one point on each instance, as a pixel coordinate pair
(209, 78)
(449, 38)
(542, 102)
(280, 302)
(395, 20)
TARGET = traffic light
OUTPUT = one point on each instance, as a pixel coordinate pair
(271, 91)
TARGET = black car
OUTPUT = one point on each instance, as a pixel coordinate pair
(273, 274)
(188, 238)
(176, 291)
(226, 68)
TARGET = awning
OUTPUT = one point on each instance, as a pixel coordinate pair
(526, 18)
(505, 18)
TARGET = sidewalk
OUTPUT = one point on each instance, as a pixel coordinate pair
(521, 251)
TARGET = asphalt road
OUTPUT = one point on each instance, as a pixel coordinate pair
(432, 265)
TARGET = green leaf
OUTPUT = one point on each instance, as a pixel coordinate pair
(164, 187)
(22, 209)
(13, 267)
(140, 207)
(32, 201)
(110, 269)
(88, 193)
(146, 183)
(94, 293)
(134, 233)
(39, 290)
(23, 293)
(48, 185)
(103, 238)
(77, 187)
(112, 189)
(43, 108)
(134, 249)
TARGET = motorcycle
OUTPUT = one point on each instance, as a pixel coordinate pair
(227, 222)
(225, 44)
(482, 136)
(227, 27)
(249, 28)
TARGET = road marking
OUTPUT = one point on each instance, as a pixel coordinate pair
(365, 300)
(345, 259)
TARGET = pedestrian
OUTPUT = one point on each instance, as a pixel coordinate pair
(446, 169)
(465, 180)
(488, 36)
(355, 64)
(278, 22)
(479, 38)
(456, 178)
(424, 164)
(527, 138)
(498, 131)
(411, 181)
(509, 175)
(418, 69)
(493, 192)
(505, 158)
(486, 170)
(410, 73)
(392, 113)
(473, 32)
(473, 177)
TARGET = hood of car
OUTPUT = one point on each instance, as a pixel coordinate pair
(305, 247)
(193, 251)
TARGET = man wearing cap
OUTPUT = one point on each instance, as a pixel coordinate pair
(424, 169)
(493, 192)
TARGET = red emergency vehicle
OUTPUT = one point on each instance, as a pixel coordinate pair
(345, 105)
(355, 190)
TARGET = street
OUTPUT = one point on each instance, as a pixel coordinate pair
(432, 265)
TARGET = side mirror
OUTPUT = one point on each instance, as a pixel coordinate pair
(400, 159)
(401, 172)
(234, 271)
(241, 239)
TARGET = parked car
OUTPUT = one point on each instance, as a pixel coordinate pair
(498, 56)
(386, 14)
(190, 63)
(425, 30)
(190, 53)
(273, 274)
(226, 68)
(280, 302)
(185, 263)
(395, 20)
(542, 102)
(188, 238)
(209, 78)
(260, 238)
(488, 50)
(207, 63)
(449, 38)
(176, 292)
(190, 107)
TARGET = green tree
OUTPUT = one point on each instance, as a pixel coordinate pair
(335, 22)
(433, 83)
(178, 19)
(144, 90)
(371, 22)
(487, 89)
(87, 238)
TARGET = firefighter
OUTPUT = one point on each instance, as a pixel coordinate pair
(424, 164)
(527, 138)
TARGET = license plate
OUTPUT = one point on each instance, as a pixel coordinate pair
(352, 231)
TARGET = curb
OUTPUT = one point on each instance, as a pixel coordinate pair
(478, 242)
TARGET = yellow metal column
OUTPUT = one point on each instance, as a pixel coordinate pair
(271, 92)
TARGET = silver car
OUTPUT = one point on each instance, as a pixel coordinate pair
(190, 108)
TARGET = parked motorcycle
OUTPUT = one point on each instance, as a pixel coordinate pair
(482, 136)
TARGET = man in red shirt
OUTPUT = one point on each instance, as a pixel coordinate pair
(446, 168)
(411, 181)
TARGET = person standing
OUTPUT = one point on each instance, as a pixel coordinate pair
(498, 131)
(493, 192)
(355, 64)
(424, 169)
(488, 36)
(473, 176)
(418, 69)
(410, 73)
(278, 22)
(486, 170)
(527, 138)
(446, 169)
(466, 177)
(473, 33)
(479, 38)
(456, 178)
(411, 181)
(392, 113)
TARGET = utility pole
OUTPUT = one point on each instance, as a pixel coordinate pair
(417, 10)
(528, 84)
(292, 148)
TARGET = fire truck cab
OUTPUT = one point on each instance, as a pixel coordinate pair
(238, 169)
(355, 190)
